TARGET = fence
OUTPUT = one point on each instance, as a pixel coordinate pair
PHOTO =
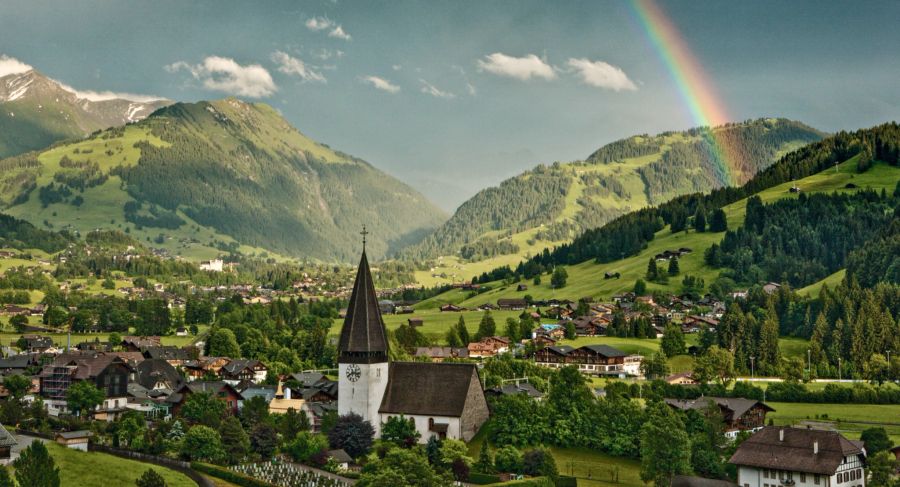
(178, 466)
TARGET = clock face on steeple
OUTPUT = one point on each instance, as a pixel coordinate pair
(353, 372)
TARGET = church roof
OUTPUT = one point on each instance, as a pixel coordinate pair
(363, 336)
(428, 389)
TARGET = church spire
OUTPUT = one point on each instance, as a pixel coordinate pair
(363, 337)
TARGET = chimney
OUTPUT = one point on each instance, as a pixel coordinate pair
(781, 434)
(815, 448)
(287, 393)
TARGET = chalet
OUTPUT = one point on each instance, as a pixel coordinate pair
(488, 347)
(444, 400)
(588, 326)
(682, 379)
(238, 370)
(35, 343)
(513, 389)
(109, 373)
(139, 343)
(554, 356)
(220, 389)
(513, 304)
(522, 287)
(157, 374)
(487, 307)
(14, 310)
(342, 458)
(439, 354)
(7, 442)
(591, 359)
(696, 321)
(738, 413)
(551, 330)
(204, 366)
(414, 322)
(174, 355)
(544, 341)
(76, 440)
(776, 456)
(451, 308)
(771, 287)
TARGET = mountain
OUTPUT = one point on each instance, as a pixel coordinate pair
(821, 211)
(198, 178)
(36, 111)
(552, 204)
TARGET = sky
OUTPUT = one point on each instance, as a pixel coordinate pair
(452, 97)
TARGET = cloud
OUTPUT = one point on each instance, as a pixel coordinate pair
(397, 67)
(381, 84)
(601, 75)
(326, 54)
(319, 23)
(338, 33)
(430, 89)
(293, 66)
(9, 65)
(226, 75)
(523, 68)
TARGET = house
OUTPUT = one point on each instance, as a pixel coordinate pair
(513, 304)
(696, 321)
(522, 287)
(214, 265)
(488, 347)
(284, 400)
(591, 359)
(7, 442)
(138, 344)
(513, 389)
(771, 287)
(739, 414)
(35, 343)
(156, 374)
(413, 322)
(439, 354)
(238, 370)
(451, 308)
(796, 457)
(553, 356)
(181, 332)
(682, 379)
(552, 330)
(76, 440)
(343, 460)
(444, 400)
(174, 355)
(219, 389)
(544, 341)
(204, 366)
(109, 372)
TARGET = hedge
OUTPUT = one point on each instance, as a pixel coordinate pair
(229, 475)
(532, 482)
(483, 478)
(565, 481)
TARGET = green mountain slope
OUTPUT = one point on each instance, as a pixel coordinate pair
(36, 111)
(217, 175)
(552, 204)
(586, 274)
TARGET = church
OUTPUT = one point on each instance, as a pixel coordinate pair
(446, 400)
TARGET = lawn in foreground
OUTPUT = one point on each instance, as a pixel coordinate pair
(78, 468)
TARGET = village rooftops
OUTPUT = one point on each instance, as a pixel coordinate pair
(795, 449)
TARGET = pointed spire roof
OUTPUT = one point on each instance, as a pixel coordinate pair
(363, 336)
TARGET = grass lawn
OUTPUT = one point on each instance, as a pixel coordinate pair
(793, 347)
(435, 323)
(642, 346)
(60, 339)
(78, 468)
(849, 419)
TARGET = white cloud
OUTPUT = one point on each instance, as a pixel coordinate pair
(338, 33)
(226, 75)
(523, 68)
(601, 74)
(381, 84)
(319, 23)
(288, 64)
(326, 54)
(397, 67)
(430, 89)
(9, 65)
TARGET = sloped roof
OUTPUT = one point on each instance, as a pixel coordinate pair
(428, 389)
(605, 350)
(154, 370)
(363, 336)
(6, 438)
(737, 405)
(765, 449)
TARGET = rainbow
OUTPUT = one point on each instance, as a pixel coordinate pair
(694, 86)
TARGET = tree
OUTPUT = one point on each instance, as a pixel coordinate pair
(292, 422)
(452, 338)
(234, 440)
(652, 270)
(401, 431)
(640, 287)
(665, 446)
(401, 467)
(715, 364)
(203, 408)
(308, 447)
(433, 450)
(19, 322)
(114, 339)
(255, 411)
(487, 327)
(700, 219)
(508, 460)
(673, 266)
(569, 392)
(559, 277)
(876, 440)
(485, 463)
(264, 440)
(769, 354)
(656, 367)
(17, 386)
(718, 222)
(150, 479)
(35, 467)
(108, 283)
(672, 342)
(462, 331)
(353, 434)
(540, 463)
(5, 479)
(83, 396)
(202, 443)
(55, 316)
(570, 330)
(222, 343)
(882, 466)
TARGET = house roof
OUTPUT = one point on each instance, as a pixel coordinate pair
(167, 352)
(766, 449)
(363, 335)
(6, 438)
(281, 405)
(340, 456)
(154, 370)
(237, 365)
(605, 350)
(428, 389)
(511, 389)
(69, 435)
(308, 379)
(737, 405)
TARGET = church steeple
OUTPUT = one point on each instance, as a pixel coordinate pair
(363, 336)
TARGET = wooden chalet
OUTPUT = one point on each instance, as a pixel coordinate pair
(739, 414)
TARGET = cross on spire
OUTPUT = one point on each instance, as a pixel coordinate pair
(364, 233)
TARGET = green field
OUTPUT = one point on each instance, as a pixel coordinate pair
(435, 323)
(60, 339)
(586, 279)
(849, 419)
(78, 468)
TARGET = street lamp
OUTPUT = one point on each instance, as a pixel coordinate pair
(839, 369)
(751, 368)
(808, 365)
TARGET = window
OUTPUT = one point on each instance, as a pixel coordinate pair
(802, 477)
(816, 479)
(781, 475)
(765, 474)
(790, 475)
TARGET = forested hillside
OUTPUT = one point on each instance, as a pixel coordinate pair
(552, 204)
(220, 175)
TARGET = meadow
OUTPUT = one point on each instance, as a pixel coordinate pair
(849, 419)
